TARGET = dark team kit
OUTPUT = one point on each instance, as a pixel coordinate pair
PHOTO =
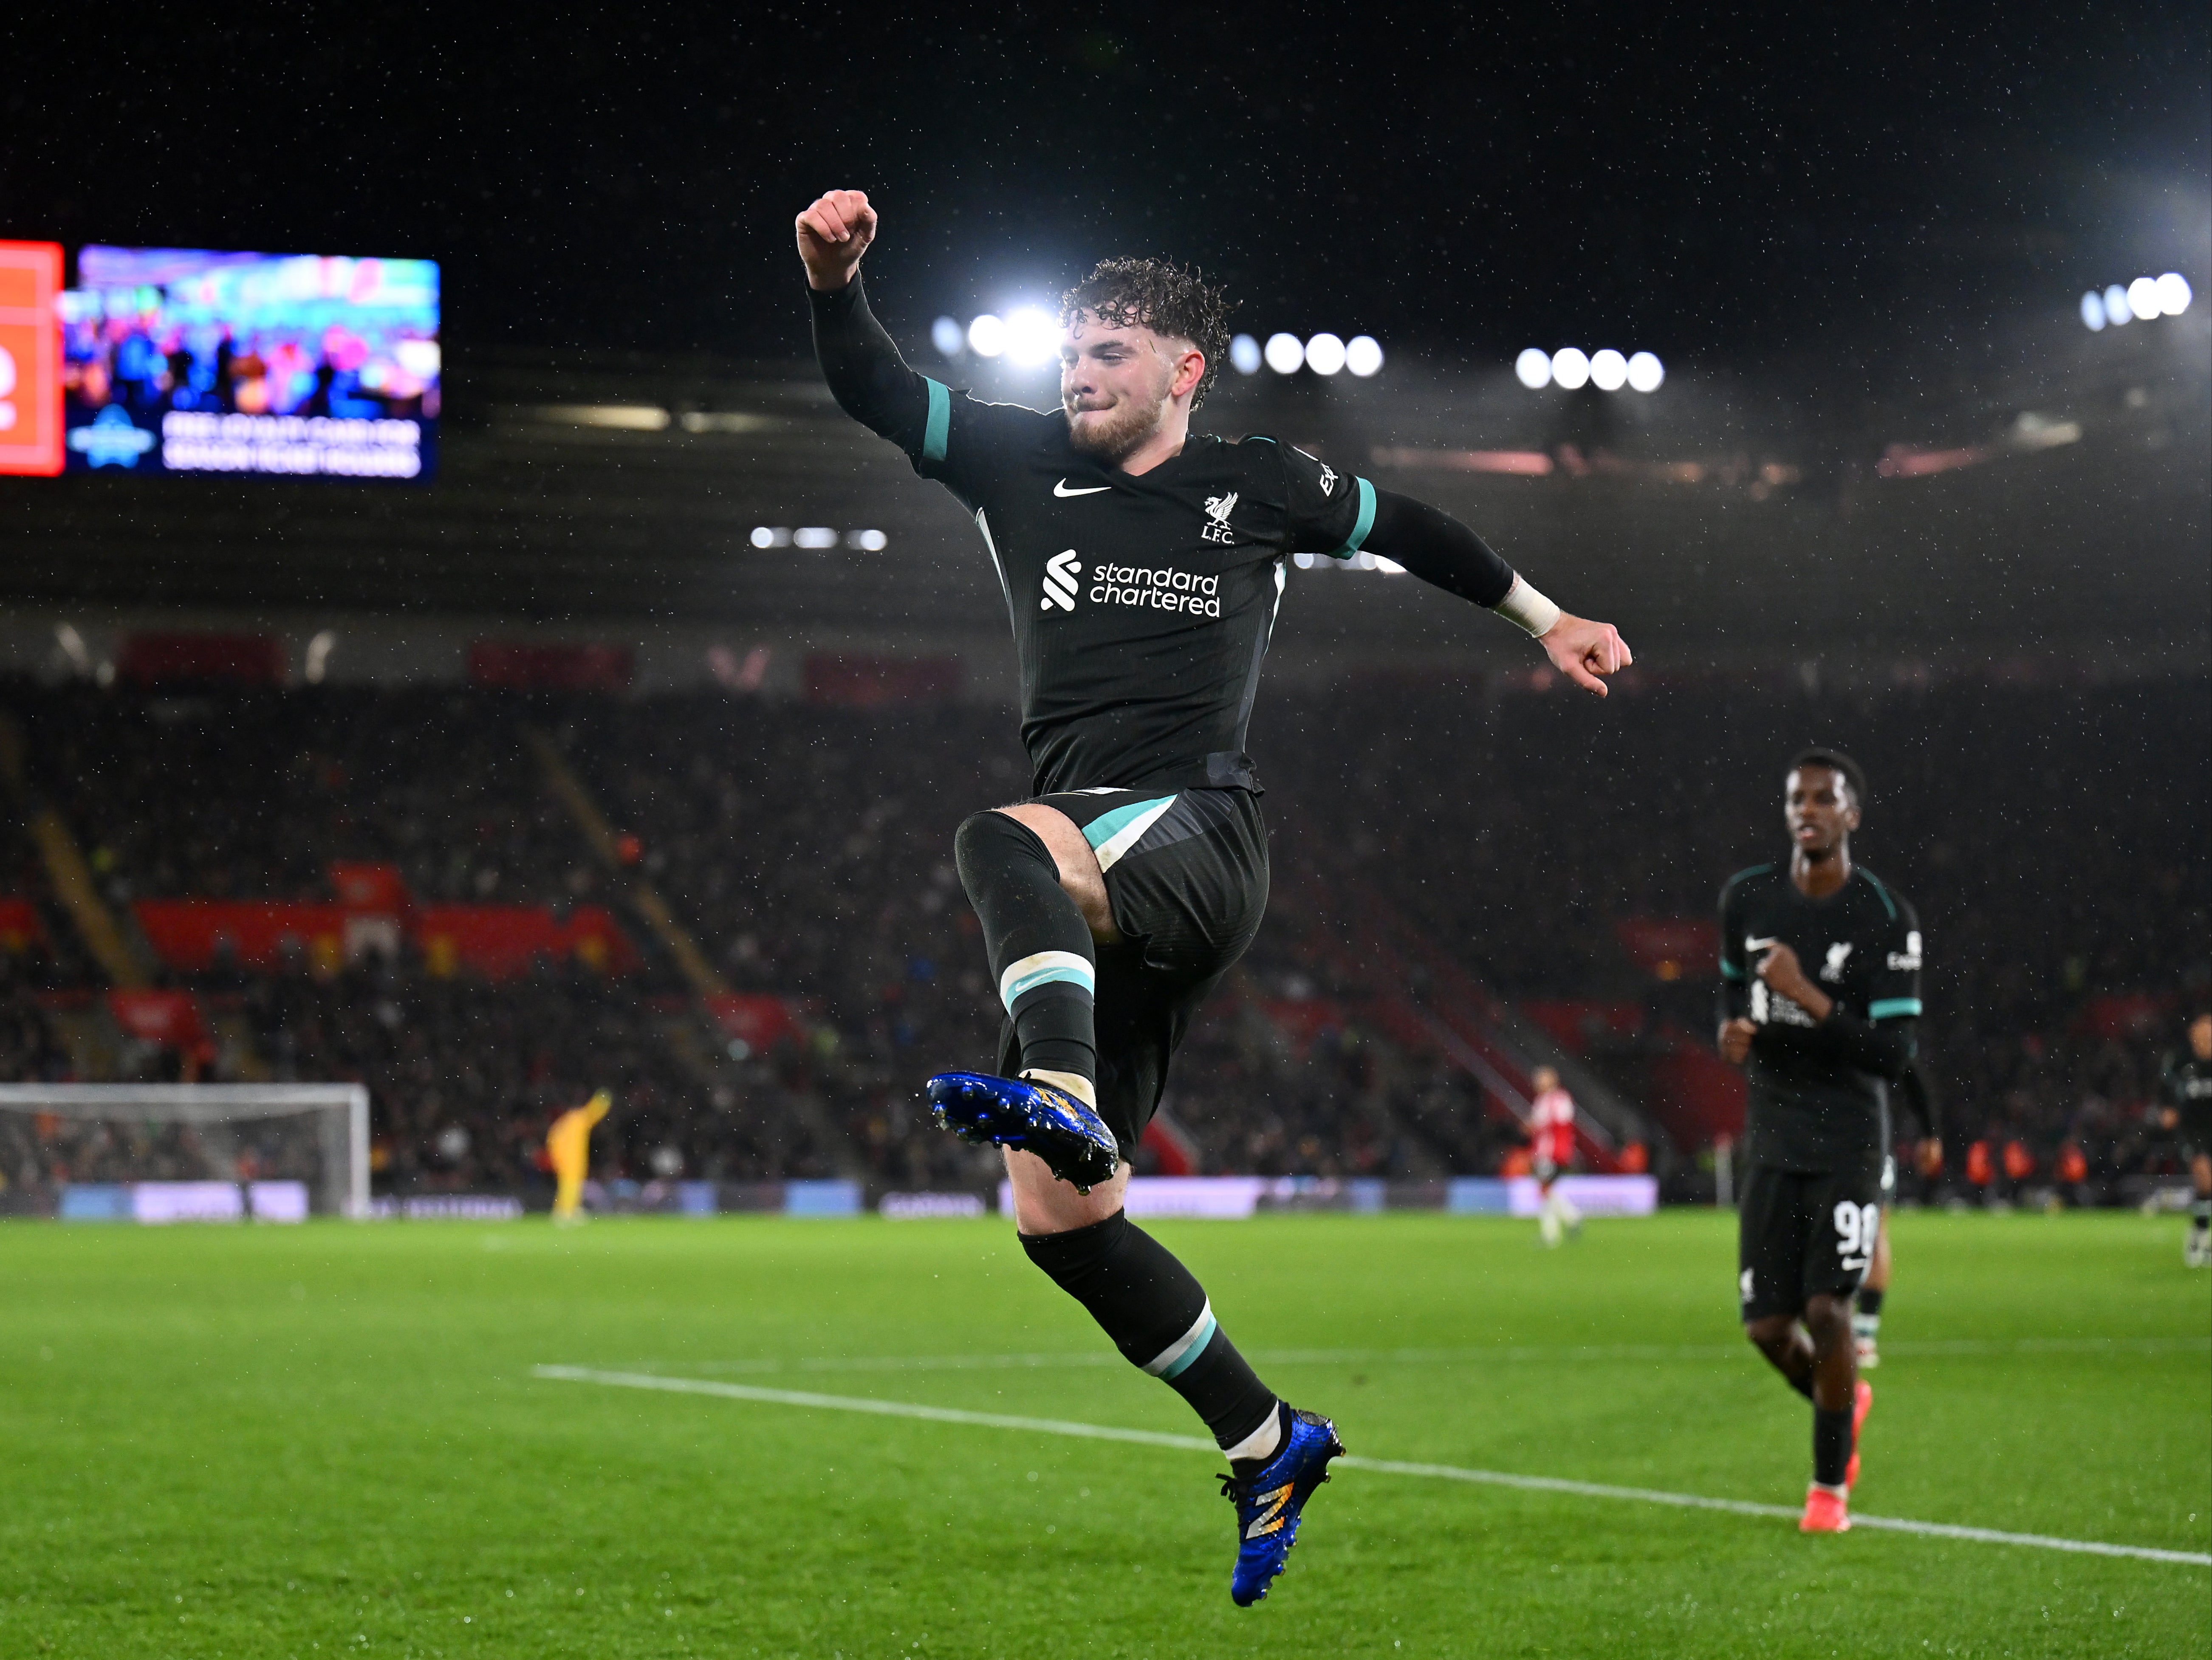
(1142, 606)
(1817, 1136)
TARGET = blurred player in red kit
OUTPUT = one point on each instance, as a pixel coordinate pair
(1552, 1146)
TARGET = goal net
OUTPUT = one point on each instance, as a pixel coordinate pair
(173, 1152)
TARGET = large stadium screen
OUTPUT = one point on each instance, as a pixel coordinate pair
(180, 361)
(30, 365)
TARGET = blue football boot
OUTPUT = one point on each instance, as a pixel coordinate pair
(1270, 1499)
(1019, 1112)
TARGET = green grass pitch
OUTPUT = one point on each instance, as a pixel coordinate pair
(328, 1441)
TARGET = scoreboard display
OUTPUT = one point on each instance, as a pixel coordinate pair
(167, 361)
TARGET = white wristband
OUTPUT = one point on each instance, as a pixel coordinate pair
(1526, 609)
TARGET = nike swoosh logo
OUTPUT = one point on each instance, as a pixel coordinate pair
(1062, 489)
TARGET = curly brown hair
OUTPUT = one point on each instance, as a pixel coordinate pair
(1160, 296)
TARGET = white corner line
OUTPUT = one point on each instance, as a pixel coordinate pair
(643, 1380)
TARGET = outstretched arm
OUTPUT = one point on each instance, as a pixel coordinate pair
(1439, 550)
(870, 380)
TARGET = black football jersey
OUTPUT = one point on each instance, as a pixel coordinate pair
(2188, 1085)
(1141, 604)
(1861, 945)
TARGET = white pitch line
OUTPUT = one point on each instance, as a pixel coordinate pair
(997, 1420)
(1966, 1346)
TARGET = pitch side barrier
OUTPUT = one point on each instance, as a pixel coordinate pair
(1225, 1198)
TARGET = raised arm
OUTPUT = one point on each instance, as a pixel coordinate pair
(867, 377)
(1439, 550)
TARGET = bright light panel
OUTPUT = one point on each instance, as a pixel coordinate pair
(1032, 337)
(1325, 354)
(1244, 355)
(814, 535)
(1645, 371)
(1362, 354)
(2173, 294)
(1569, 368)
(2092, 310)
(1608, 370)
(1285, 353)
(2142, 298)
(1534, 369)
(2117, 308)
(987, 336)
(771, 536)
(868, 541)
(948, 337)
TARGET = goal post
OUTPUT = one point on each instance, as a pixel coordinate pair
(116, 1138)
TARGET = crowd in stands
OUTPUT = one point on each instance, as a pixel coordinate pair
(2041, 830)
(253, 791)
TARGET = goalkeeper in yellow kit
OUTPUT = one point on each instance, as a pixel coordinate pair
(568, 1146)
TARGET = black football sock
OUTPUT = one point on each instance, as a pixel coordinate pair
(1158, 1315)
(1040, 946)
(1870, 1302)
(1832, 1445)
(2200, 1216)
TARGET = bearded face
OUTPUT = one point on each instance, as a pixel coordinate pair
(1115, 386)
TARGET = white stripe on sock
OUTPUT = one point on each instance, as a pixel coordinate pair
(1042, 967)
(1199, 1329)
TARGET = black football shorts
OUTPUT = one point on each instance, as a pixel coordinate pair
(1804, 1234)
(2196, 1131)
(1187, 875)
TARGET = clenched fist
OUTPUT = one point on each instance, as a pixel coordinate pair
(833, 232)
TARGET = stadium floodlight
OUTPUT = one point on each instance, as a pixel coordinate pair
(1608, 370)
(2142, 298)
(867, 541)
(318, 666)
(987, 336)
(1285, 352)
(1325, 354)
(2092, 310)
(1244, 355)
(771, 536)
(2173, 294)
(178, 1152)
(1534, 368)
(2117, 308)
(948, 337)
(1032, 337)
(1569, 368)
(1363, 354)
(1646, 373)
(814, 535)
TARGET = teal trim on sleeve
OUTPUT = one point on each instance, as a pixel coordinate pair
(1748, 872)
(1730, 972)
(1888, 903)
(1891, 1008)
(1365, 524)
(939, 427)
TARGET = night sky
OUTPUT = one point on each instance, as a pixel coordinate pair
(1740, 185)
